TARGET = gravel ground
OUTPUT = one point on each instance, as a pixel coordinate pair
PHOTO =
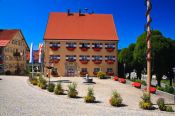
(19, 98)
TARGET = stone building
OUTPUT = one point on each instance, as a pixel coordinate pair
(77, 44)
(13, 49)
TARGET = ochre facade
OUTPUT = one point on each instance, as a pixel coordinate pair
(64, 67)
(13, 55)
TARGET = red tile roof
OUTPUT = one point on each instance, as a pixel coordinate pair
(6, 36)
(75, 27)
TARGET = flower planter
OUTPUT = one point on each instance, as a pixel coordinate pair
(54, 48)
(97, 62)
(83, 73)
(110, 49)
(110, 61)
(122, 80)
(95, 73)
(71, 48)
(54, 74)
(110, 73)
(152, 89)
(115, 78)
(84, 61)
(136, 84)
(54, 61)
(1, 62)
(84, 49)
(97, 49)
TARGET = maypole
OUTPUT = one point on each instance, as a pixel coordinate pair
(148, 52)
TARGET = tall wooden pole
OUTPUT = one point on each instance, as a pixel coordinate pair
(148, 53)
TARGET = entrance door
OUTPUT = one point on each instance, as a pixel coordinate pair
(70, 69)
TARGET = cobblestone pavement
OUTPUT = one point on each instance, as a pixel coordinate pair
(19, 98)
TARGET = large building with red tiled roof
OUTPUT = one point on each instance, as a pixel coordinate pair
(77, 44)
(13, 49)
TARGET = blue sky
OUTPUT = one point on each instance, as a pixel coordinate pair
(31, 16)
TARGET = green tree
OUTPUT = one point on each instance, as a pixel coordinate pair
(126, 56)
(163, 50)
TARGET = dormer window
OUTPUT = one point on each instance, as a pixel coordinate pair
(97, 46)
(110, 47)
(71, 46)
(54, 45)
(70, 58)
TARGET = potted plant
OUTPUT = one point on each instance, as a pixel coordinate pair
(116, 99)
(72, 92)
(90, 96)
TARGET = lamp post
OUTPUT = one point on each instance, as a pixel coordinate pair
(148, 37)
(174, 74)
(124, 65)
(49, 67)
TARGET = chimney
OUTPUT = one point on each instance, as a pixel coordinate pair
(80, 14)
(69, 13)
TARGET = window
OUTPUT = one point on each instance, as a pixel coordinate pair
(110, 45)
(54, 44)
(109, 70)
(110, 58)
(96, 57)
(84, 57)
(84, 70)
(71, 58)
(96, 69)
(54, 57)
(96, 45)
(84, 45)
(71, 44)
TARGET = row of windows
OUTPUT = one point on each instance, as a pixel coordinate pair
(10, 58)
(96, 70)
(84, 45)
(7, 66)
(13, 50)
(84, 57)
(17, 42)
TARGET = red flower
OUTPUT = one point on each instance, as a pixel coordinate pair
(70, 48)
(110, 73)
(97, 61)
(152, 89)
(97, 49)
(122, 80)
(54, 48)
(84, 61)
(115, 78)
(84, 49)
(136, 84)
(110, 61)
(110, 49)
(95, 73)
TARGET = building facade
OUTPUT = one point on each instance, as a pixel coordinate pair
(13, 49)
(77, 44)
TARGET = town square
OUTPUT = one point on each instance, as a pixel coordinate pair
(69, 58)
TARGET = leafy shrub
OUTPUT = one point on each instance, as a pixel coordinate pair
(160, 88)
(146, 102)
(72, 92)
(161, 104)
(101, 75)
(58, 89)
(42, 83)
(8, 72)
(169, 89)
(90, 96)
(169, 109)
(34, 81)
(51, 87)
(116, 99)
